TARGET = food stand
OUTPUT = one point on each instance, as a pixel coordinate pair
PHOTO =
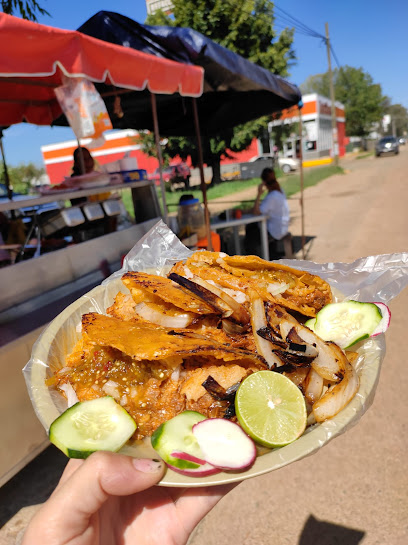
(30, 70)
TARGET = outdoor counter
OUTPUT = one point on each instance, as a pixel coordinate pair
(141, 191)
(245, 220)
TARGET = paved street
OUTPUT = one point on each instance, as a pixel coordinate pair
(354, 490)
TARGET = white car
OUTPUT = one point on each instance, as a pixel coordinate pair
(286, 164)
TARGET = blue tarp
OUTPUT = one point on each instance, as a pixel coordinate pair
(235, 89)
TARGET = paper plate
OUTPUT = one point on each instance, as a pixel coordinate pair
(59, 337)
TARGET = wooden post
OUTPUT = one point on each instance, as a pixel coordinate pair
(332, 100)
(81, 157)
(6, 176)
(201, 168)
(159, 154)
(302, 207)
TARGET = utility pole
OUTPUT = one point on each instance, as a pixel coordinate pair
(332, 99)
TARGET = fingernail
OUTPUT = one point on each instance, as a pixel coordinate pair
(145, 465)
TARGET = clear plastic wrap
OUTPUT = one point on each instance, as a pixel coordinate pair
(375, 278)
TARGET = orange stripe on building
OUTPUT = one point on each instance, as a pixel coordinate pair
(308, 108)
(108, 145)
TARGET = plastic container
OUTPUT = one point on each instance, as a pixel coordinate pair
(134, 175)
(128, 163)
(191, 220)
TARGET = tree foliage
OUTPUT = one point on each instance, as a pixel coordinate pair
(28, 9)
(399, 119)
(245, 27)
(363, 99)
(22, 177)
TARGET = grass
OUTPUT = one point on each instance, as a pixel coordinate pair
(311, 177)
(364, 155)
(290, 184)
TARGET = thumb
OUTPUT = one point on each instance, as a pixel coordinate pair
(84, 492)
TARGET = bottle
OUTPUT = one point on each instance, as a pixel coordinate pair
(190, 217)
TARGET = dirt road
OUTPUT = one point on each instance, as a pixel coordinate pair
(354, 490)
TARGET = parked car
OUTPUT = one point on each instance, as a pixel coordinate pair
(286, 164)
(173, 175)
(387, 144)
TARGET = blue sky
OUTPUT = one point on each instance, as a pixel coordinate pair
(368, 34)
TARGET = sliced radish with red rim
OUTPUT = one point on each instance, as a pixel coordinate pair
(203, 471)
(224, 444)
(385, 321)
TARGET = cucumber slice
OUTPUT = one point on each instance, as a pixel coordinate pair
(88, 426)
(311, 323)
(176, 435)
(346, 323)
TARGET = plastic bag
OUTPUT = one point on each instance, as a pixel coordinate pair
(374, 278)
(84, 108)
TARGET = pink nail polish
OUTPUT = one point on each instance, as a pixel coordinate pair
(145, 465)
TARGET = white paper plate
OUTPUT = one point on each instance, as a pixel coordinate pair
(59, 337)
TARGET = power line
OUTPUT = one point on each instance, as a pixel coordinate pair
(335, 56)
(299, 25)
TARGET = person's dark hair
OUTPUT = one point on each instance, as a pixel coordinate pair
(268, 177)
(76, 169)
(266, 173)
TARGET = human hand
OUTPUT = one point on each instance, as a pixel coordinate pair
(110, 499)
(261, 188)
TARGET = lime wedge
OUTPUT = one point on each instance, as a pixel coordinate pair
(271, 409)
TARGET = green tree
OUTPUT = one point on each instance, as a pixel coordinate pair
(245, 27)
(28, 9)
(363, 99)
(319, 83)
(399, 119)
(22, 176)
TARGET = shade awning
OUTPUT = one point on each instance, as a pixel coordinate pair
(235, 89)
(35, 58)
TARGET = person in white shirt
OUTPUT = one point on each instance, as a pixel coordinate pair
(274, 205)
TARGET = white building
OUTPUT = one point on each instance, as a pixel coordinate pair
(154, 5)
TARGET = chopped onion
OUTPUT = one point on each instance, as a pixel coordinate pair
(239, 296)
(239, 312)
(313, 386)
(276, 288)
(258, 321)
(150, 314)
(188, 273)
(330, 361)
(337, 397)
(111, 388)
(68, 390)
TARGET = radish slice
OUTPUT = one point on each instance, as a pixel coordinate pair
(224, 444)
(202, 471)
(385, 321)
(189, 457)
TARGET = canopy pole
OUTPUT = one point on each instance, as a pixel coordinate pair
(159, 154)
(6, 175)
(202, 178)
(81, 157)
(302, 207)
